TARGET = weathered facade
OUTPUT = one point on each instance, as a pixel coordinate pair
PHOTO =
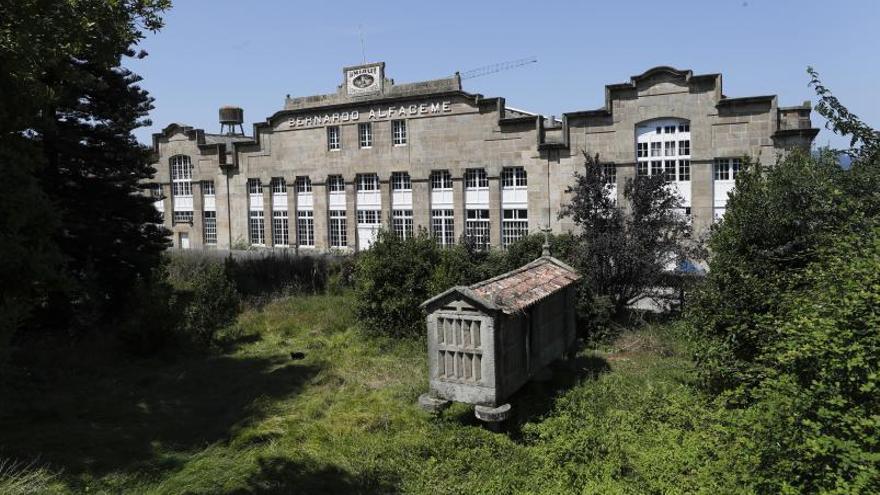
(328, 171)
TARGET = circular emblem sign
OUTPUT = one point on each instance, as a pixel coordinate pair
(363, 81)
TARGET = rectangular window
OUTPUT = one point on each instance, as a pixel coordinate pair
(338, 229)
(400, 181)
(182, 217)
(513, 177)
(684, 170)
(642, 150)
(254, 186)
(402, 223)
(655, 149)
(365, 133)
(476, 228)
(441, 179)
(669, 149)
(335, 183)
(514, 226)
(669, 170)
(735, 165)
(398, 132)
(256, 228)
(367, 182)
(670, 129)
(642, 169)
(303, 184)
(684, 147)
(368, 217)
(609, 173)
(476, 178)
(656, 167)
(280, 235)
(727, 168)
(442, 227)
(305, 228)
(208, 188)
(333, 141)
(684, 128)
(279, 185)
(209, 227)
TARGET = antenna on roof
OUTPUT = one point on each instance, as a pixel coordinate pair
(501, 66)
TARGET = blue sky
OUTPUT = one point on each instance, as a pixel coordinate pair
(253, 53)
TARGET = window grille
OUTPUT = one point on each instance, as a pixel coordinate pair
(669, 170)
(182, 217)
(305, 228)
(367, 182)
(398, 132)
(400, 181)
(609, 173)
(727, 168)
(256, 228)
(333, 140)
(181, 175)
(514, 226)
(476, 178)
(335, 183)
(402, 223)
(254, 186)
(303, 184)
(684, 170)
(338, 231)
(476, 228)
(684, 147)
(279, 185)
(442, 227)
(280, 233)
(210, 227)
(441, 179)
(365, 133)
(513, 177)
(208, 188)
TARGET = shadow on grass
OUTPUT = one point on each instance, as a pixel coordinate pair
(279, 475)
(535, 399)
(118, 418)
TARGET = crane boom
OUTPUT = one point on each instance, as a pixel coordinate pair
(501, 66)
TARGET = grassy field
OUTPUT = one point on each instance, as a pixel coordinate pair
(343, 418)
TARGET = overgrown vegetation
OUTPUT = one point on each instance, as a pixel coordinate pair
(342, 417)
(785, 328)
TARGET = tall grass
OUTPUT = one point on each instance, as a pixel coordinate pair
(18, 478)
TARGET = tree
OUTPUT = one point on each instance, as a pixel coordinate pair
(625, 252)
(68, 110)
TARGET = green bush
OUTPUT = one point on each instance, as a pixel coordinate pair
(152, 319)
(211, 303)
(392, 279)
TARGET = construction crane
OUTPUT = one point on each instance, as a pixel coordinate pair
(501, 66)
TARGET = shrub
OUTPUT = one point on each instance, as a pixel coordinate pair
(211, 303)
(152, 318)
(261, 274)
(392, 279)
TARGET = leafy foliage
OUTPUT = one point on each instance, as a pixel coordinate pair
(77, 223)
(624, 253)
(785, 328)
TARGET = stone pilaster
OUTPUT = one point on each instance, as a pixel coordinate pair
(267, 213)
(702, 196)
(319, 195)
(350, 214)
(385, 191)
(196, 233)
(495, 211)
(458, 206)
(421, 199)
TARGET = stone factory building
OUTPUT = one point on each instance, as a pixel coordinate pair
(328, 171)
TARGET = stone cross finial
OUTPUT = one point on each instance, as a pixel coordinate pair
(545, 248)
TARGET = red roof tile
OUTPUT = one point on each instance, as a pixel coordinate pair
(520, 288)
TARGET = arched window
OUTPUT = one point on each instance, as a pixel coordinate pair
(181, 176)
(664, 146)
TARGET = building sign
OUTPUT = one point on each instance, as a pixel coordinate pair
(364, 80)
(373, 114)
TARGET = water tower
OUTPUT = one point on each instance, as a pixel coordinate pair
(230, 118)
